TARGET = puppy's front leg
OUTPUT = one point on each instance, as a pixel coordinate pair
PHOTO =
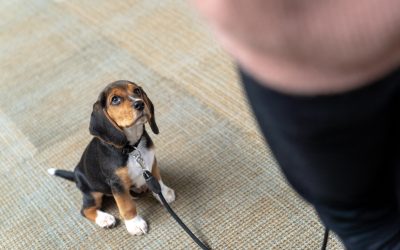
(167, 192)
(126, 206)
(91, 210)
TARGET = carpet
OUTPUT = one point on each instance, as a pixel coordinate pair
(55, 58)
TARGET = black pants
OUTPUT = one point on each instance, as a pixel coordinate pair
(342, 154)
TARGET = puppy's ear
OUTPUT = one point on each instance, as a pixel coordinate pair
(103, 127)
(152, 122)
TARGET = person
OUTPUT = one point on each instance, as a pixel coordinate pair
(323, 80)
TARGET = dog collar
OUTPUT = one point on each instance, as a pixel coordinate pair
(127, 149)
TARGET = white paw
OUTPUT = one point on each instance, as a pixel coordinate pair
(104, 220)
(136, 226)
(168, 193)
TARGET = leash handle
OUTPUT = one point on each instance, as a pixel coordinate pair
(155, 187)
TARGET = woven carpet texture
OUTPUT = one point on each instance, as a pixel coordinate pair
(56, 57)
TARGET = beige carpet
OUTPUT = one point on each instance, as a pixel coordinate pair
(56, 56)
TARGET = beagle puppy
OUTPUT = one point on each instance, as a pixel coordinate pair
(108, 165)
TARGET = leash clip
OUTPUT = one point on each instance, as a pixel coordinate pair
(138, 157)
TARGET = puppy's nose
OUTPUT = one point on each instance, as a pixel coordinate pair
(138, 105)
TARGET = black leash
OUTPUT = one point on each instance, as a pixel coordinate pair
(154, 186)
(326, 237)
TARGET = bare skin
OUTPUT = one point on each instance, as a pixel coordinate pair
(307, 46)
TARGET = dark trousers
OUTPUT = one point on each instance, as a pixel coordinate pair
(341, 153)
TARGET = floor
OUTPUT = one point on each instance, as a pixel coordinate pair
(56, 57)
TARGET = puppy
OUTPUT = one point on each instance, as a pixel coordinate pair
(108, 165)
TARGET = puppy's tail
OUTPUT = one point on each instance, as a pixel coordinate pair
(69, 175)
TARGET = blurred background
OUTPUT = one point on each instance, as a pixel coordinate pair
(56, 57)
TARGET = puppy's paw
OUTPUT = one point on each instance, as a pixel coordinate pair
(169, 194)
(105, 220)
(136, 226)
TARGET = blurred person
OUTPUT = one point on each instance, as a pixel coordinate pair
(323, 80)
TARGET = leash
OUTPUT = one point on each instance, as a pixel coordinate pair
(326, 237)
(155, 187)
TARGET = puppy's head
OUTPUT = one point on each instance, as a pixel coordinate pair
(120, 105)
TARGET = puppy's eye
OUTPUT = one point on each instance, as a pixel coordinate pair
(137, 91)
(115, 100)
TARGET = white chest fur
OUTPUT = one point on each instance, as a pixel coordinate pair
(134, 169)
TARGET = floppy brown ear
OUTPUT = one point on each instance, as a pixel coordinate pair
(102, 127)
(152, 122)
